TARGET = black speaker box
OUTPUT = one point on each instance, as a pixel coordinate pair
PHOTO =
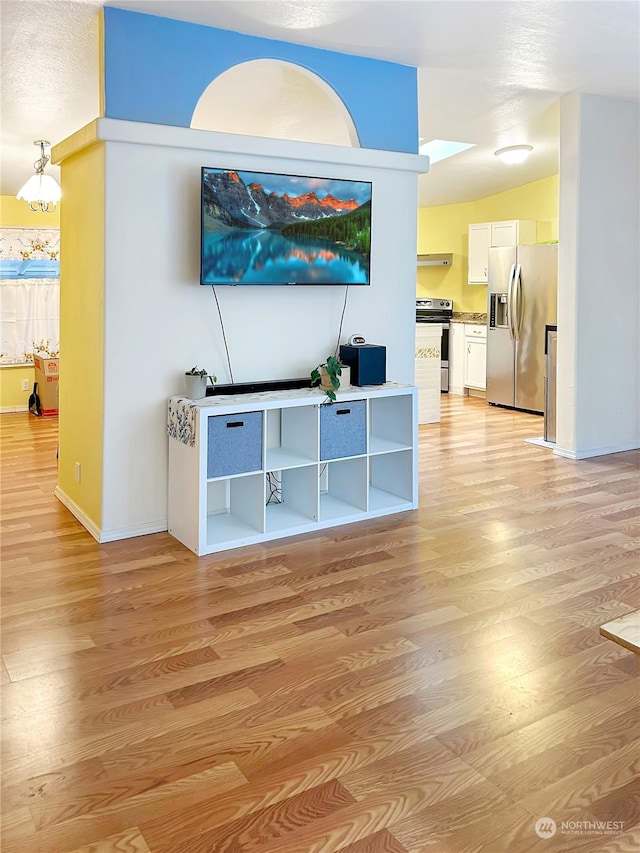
(368, 363)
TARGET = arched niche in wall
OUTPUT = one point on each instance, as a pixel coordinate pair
(281, 100)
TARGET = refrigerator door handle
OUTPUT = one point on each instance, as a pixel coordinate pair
(518, 304)
(510, 305)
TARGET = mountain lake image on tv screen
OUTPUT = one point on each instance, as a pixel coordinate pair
(267, 229)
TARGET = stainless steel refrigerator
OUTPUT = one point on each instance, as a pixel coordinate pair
(523, 286)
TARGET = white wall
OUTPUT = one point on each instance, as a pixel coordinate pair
(159, 321)
(599, 269)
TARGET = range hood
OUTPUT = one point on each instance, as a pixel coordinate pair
(441, 259)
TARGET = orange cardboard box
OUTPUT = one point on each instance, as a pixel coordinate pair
(47, 374)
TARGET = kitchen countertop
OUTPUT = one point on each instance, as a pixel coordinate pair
(469, 317)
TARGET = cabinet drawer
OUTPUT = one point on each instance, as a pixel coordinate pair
(473, 331)
(234, 444)
(343, 430)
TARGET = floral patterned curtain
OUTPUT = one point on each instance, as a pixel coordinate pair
(29, 294)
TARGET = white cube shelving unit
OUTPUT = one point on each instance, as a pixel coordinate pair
(295, 490)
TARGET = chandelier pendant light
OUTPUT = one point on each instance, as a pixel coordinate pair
(41, 192)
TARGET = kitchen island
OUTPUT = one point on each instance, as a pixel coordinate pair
(427, 371)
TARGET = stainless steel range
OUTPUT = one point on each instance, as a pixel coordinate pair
(438, 310)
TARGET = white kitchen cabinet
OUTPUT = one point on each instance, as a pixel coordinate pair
(479, 242)
(456, 358)
(486, 235)
(504, 233)
(475, 359)
(254, 467)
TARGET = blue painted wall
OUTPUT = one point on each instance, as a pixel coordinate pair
(156, 69)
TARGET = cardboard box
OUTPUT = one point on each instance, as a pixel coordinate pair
(47, 374)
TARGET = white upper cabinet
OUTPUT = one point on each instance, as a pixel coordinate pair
(486, 235)
(504, 233)
(479, 242)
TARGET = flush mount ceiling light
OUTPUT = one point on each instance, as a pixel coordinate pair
(41, 191)
(513, 154)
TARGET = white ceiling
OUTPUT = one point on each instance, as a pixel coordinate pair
(490, 73)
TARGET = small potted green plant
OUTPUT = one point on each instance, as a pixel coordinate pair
(196, 382)
(330, 375)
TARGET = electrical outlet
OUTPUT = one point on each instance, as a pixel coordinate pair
(78, 472)
(25, 384)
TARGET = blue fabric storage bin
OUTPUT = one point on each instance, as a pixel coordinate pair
(343, 429)
(234, 444)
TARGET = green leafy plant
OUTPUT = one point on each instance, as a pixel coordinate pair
(202, 373)
(327, 375)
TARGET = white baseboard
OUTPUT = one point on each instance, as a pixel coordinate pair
(596, 451)
(540, 442)
(75, 510)
(7, 410)
(115, 533)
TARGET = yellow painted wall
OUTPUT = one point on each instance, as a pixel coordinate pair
(16, 214)
(12, 396)
(446, 229)
(82, 343)
(538, 200)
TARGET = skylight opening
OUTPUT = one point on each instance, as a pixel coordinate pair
(440, 149)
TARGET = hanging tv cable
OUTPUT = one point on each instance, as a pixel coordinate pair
(224, 337)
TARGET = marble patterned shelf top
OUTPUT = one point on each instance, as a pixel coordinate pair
(295, 395)
(625, 631)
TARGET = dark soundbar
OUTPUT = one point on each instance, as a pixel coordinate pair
(256, 387)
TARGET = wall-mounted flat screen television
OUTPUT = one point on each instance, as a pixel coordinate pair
(264, 228)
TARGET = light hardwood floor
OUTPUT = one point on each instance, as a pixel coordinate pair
(431, 681)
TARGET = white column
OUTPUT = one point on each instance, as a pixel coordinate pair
(599, 272)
